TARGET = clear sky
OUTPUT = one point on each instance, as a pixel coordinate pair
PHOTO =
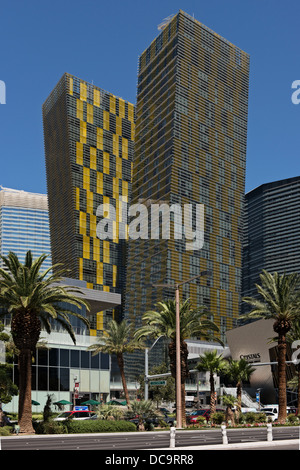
(100, 41)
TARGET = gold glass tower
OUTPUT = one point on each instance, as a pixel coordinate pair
(190, 147)
(89, 143)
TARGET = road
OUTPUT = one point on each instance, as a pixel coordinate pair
(144, 440)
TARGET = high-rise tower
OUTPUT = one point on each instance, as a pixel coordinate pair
(271, 232)
(24, 224)
(190, 148)
(89, 135)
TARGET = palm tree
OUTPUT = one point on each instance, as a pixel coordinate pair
(33, 299)
(214, 364)
(163, 323)
(108, 412)
(229, 401)
(142, 409)
(279, 300)
(239, 371)
(117, 339)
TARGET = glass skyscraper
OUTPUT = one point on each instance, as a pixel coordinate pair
(89, 143)
(271, 232)
(190, 148)
(24, 224)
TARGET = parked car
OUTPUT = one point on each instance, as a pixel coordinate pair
(76, 414)
(272, 411)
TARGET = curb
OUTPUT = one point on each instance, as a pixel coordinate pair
(239, 445)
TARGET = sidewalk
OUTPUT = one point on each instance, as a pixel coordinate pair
(239, 445)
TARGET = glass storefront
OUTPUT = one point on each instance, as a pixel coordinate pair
(51, 367)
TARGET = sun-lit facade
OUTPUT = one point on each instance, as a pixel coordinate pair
(89, 144)
(190, 147)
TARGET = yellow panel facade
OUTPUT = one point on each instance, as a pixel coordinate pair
(89, 113)
(93, 158)
(106, 120)
(83, 91)
(97, 97)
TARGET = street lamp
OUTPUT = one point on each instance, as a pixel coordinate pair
(178, 355)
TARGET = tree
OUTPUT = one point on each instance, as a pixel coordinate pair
(108, 412)
(159, 392)
(239, 371)
(162, 322)
(278, 300)
(34, 300)
(141, 409)
(117, 339)
(214, 364)
(229, 401)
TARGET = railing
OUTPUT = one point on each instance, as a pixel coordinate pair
(247, 400)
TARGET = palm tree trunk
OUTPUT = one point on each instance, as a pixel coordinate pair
(183, 414)
(229, 416)
(25, 406)
(239, 399)
(121, 367)
(212, 394)
(184, 372)
(282, 402)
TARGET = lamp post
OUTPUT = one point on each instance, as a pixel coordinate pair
(178, 349)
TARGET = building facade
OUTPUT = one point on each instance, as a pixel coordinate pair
(190, 148)
(271, 232)
(89, 136)
(251, 342)
(24, 224)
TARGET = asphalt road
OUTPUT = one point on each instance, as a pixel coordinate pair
(143, 440)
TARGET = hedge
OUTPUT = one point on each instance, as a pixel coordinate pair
(98, 425)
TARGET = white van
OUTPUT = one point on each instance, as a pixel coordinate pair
(271, 411)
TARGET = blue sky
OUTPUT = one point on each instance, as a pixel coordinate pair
(101, 41)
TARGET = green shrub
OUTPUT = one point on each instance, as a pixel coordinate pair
(250, 417)
(201, 420)
(218, 417)
(50, 427)
(292, 419)
(162, 424)
(149, 427)
(98, 425)
(261, 418)
(6, 431)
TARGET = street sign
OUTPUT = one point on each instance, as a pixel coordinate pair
(158, 382)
